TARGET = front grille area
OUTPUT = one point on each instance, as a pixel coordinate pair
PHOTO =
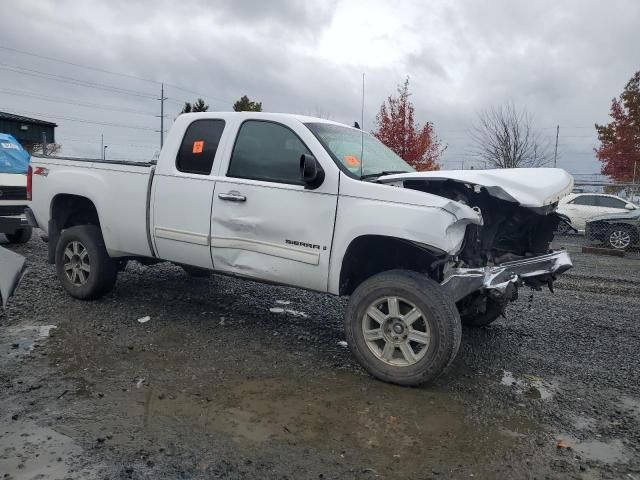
(13, 193)
(11, 210)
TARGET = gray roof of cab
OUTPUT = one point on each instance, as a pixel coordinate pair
(20, 118)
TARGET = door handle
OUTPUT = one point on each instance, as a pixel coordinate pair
(232, 196)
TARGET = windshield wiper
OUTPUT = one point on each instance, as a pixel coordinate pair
(380, 174)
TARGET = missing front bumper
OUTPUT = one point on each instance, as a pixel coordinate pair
(500, 279)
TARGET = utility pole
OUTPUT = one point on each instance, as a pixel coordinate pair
(104, 152)
(162, 99)
(102, 146)
(555, 154)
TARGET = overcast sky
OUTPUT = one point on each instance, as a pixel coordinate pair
(561, 60)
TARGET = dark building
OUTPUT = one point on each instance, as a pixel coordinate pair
(28, 131)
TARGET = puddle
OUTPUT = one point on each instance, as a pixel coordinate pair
(28, 451)
(19, 340)
(606, 452)
(529, 385)
(383, 422)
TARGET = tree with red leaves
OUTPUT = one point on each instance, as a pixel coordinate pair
(619, 149)
(397, 129)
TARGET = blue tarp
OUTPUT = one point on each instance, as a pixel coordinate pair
(13, 158)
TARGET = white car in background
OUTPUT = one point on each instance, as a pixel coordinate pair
(580, 207)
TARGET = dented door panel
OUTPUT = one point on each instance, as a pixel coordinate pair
(279, 233)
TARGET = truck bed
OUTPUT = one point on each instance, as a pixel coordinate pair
(119, 190)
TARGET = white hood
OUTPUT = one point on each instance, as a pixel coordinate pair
(530, 187)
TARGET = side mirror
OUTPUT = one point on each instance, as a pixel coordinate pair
(630, 206)
(311, 171)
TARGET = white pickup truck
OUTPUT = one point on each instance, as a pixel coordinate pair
(318, 205)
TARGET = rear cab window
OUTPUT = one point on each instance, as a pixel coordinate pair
(199, 146)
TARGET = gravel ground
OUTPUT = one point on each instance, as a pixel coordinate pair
(233, 379)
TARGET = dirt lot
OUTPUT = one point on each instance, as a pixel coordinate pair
(232, 379)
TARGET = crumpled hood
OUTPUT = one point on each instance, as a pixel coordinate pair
(530, 187)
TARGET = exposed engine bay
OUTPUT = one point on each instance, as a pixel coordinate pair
(510, 231)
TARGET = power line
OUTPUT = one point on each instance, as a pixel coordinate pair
(102, 70)
(82, 120)
(110, 72)
(66, 101)
(74, 81)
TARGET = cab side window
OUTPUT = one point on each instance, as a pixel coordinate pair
(199, 146)
(267, 151)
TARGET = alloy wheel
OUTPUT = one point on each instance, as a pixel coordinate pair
(396, 331)
(77, 265)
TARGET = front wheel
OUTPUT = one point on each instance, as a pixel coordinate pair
(402, 328)
(83, 265)
(486, 312)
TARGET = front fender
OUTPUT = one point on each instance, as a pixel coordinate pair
(433, 227)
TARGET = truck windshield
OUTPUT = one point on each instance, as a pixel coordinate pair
(358, 153)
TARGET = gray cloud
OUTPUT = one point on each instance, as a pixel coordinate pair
(562, 61)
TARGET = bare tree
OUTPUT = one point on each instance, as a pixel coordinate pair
(36, 148)
(503, 137)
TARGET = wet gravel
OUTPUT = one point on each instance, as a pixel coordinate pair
(233, 379)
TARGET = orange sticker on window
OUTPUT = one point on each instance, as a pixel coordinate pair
(352, 161)
(198, 146)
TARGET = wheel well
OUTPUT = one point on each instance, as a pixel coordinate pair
(371, 254)
(70, 210)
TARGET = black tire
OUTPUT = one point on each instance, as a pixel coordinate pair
(492, 310)
(103, 269)
(439, 311)
(22, 235)
(624, 237)
(196, 272)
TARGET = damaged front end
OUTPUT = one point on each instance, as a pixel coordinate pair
(512, 246)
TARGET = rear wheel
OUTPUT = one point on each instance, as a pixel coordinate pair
(83, 265)
(620, 237)
(22, 235)
(402, 328)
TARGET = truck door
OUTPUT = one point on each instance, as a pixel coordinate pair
(265, 224)
(183, 188)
